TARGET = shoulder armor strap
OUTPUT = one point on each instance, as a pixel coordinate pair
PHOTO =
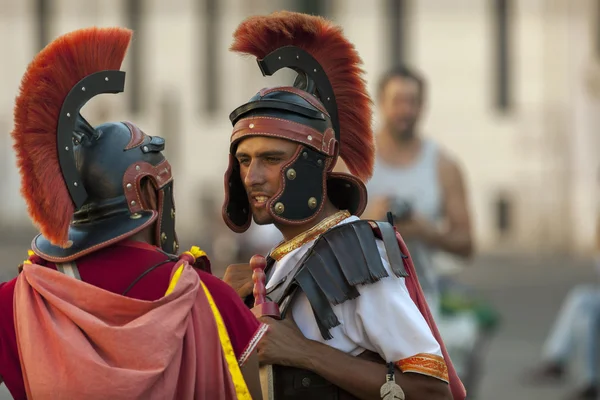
(341, 259)
(392, 248)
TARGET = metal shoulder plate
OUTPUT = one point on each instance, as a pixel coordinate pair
(341, 259)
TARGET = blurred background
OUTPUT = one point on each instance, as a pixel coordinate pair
(513, 93)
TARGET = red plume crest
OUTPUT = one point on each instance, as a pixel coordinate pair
(260, 35)
(45, 85)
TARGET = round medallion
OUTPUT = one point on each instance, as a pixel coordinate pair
(312, 203)
(279, 208)
(291, 174)
(175, 246)
(135, 216)
(163, 238)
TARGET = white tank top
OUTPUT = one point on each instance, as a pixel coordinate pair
(417, 184)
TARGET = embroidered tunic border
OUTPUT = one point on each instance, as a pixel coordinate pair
(426, 364)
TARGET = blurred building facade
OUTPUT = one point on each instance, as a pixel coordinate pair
(514, 93)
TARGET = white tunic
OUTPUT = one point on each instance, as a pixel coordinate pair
(383, 319)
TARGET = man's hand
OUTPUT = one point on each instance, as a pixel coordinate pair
(283, 343)
(239, 277)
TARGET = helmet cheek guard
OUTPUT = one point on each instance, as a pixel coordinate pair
(303, 186)
(236, 208)
(161, 177)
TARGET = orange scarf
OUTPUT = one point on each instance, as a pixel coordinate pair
(79, 341)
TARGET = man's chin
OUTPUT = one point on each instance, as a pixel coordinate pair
(262, 218)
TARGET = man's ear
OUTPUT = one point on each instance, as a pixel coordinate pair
(340, 166)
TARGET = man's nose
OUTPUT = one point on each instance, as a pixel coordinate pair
(254, 174)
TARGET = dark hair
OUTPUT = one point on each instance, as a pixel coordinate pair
(402, 71)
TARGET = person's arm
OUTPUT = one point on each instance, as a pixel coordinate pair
(457, 237)
(383, 320)
(250, 371)
(364, 378)
(284, 344)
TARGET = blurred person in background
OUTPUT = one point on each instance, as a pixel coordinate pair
(424, 187)
(102, 307)
(573, 337)
(418, 181)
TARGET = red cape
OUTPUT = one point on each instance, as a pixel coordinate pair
(416, 293)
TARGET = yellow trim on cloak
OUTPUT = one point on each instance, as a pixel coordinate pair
(197, 252)
(241, 389)
(30, 253)
(174, 280)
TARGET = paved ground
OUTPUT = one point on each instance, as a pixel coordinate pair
(527, 290)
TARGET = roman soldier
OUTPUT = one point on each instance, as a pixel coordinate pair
(352, 313)
(103, 307)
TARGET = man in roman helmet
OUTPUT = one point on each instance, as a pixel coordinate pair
(103, 308)
(351, 306)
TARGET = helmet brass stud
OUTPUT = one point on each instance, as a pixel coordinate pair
(279, 208)
(291, 174)
(312, 203)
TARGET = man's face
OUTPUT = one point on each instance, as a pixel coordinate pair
(261, 160)
(400, 104)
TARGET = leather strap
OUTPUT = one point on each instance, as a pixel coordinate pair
(395, 256)
(69, 269)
